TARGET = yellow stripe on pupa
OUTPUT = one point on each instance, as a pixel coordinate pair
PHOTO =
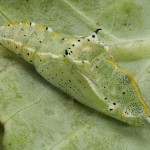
(15, 24)
(40, 26)
(56, 34)
(25, 23)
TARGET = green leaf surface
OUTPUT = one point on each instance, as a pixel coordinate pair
(34, 115)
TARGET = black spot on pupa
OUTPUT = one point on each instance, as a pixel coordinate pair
(16, 47)
(88, 39)
(27, 53)
(63, 39)
(66, 52)
(40, 41)
(69, 80)
(110, 109)
(24, 34)
(96, 66)
(105, 98)
(114, 103)
(73, 45)
(46, 28)
(93, 36)
(123, 93)
(78, 40)
(30, 23)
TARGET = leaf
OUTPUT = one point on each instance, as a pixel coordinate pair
(37, 116)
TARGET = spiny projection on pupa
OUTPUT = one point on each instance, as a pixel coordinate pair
(80, 66)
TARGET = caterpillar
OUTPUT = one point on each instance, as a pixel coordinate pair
(81, 67)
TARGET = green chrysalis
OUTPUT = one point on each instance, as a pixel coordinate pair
(81, 67)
